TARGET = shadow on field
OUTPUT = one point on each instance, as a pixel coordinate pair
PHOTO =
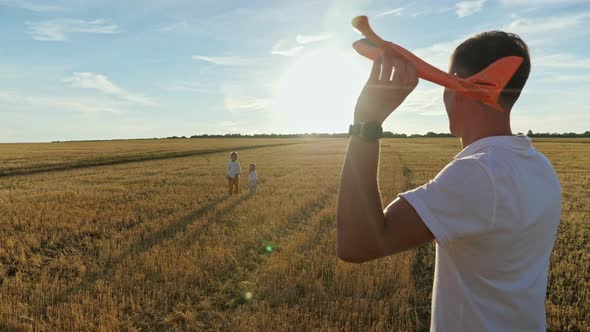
(142, 245)
(174, 227)
(190, 238)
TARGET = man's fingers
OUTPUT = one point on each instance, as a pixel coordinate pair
(405, 73)
(387, 67)
(400, 70)
(375, 70)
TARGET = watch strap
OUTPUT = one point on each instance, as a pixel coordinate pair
(368, 130)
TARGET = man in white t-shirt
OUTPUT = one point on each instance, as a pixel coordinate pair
(493, 211)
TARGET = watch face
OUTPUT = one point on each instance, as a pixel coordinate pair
(372, 131)
(368, 130)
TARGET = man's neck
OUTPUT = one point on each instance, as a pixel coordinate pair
(471, 137)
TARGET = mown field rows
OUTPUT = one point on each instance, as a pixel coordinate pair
(158, 244)
(42, 157)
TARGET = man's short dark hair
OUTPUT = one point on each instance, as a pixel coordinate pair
(480, 51)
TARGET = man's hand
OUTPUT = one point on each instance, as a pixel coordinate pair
(383, 94)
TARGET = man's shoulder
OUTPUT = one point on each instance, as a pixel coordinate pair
(458, 202)
(502, 161)
(473, 165)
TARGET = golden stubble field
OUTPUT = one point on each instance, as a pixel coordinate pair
(140, 235)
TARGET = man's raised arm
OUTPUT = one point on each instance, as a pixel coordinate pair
(364, 230)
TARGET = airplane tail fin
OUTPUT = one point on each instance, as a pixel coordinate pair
(493, 79)
(498, 74)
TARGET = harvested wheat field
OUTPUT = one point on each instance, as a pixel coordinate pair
(141, 235)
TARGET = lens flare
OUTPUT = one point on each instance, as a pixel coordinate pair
(248, 295)
(268, 248)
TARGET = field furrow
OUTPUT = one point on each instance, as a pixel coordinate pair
(108, 160)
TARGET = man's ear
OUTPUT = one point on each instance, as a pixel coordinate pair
(467, 105)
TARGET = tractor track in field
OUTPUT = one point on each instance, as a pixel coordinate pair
(81, 164)
(227, 285)
(295, 222)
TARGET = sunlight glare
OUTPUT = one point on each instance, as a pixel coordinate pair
(317, 92)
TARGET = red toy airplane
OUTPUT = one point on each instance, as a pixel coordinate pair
(485, 86)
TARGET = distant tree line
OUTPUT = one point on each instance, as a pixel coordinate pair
(564, 135)
(386, 134)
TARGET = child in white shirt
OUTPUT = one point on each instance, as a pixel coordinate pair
(233, 174)
(252, 179)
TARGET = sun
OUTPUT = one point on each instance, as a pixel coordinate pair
(318, 90)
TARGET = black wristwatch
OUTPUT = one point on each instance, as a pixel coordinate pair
(372, 131)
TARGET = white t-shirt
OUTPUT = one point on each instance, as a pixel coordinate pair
(494, 212)
(252, 176)
(233, 168)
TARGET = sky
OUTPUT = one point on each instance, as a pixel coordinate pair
(90, 69)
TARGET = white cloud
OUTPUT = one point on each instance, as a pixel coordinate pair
(227, 123)
(286, 52)
(542, 25)
(243, 98)
(224, 60)
(246, 103)
(466, 8)
(8, 96)
(425, 100)
(531, 3)
(432, 11)
(84, 105)
(306, 39)
(286, 48)
(566, 78)
(550, 119)
(279, 49)
(438, 54)
(58, 103)
(572, 78)
(562, 61)
(87, 80)
(58, 29)
(176, 26)
(30, 5)
(396, 12)
(188, 87)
